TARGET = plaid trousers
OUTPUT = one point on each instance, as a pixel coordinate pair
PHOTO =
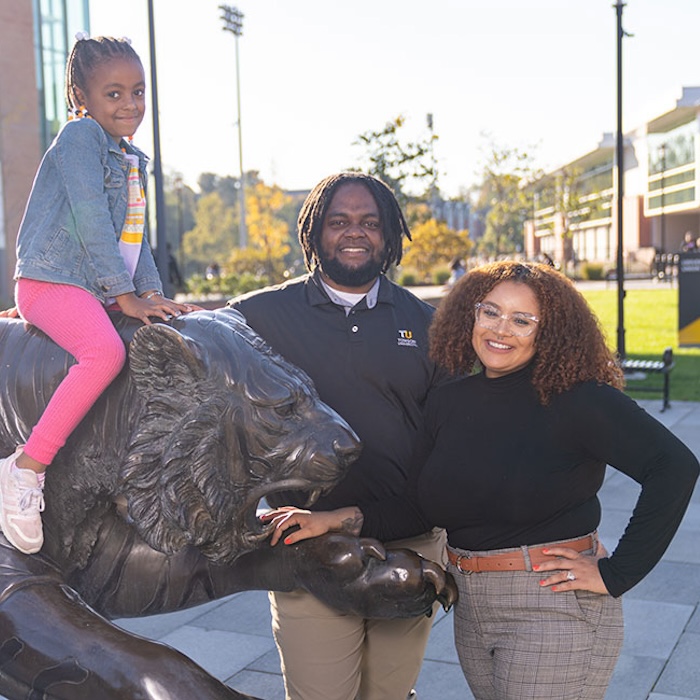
(519, 641)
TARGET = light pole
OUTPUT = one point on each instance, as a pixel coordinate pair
(233, 22)
(620, 190)
(433, 164)
(179, 184)
(662, 151)
(161, 234)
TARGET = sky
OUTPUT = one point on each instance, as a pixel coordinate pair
(536, 75)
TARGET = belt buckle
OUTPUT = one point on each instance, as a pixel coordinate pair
(459, 564)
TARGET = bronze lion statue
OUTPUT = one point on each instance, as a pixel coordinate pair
(152, 504)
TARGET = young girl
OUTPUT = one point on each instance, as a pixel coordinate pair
(82, 246)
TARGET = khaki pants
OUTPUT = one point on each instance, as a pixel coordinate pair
(327, 655)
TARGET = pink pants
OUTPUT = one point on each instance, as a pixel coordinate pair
(76, 321)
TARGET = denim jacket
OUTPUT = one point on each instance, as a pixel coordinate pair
(71, 227)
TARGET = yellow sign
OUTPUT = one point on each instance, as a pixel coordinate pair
(689, 300)
(690, 334)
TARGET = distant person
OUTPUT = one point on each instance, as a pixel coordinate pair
(213, 271)
(174, 275)
(363, 340)
(547, 259)
(510, 463)
(82, 246)
(689, 244)
(457, 271)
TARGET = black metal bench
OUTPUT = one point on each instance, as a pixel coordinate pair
(662, 366)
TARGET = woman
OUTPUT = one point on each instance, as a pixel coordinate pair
(510, 465)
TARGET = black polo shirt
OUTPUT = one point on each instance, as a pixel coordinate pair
(371, 366)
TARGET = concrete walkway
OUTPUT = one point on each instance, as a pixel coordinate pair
(660, 660)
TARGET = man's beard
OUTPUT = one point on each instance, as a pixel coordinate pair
(350, 276)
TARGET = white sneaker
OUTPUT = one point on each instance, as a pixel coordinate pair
(21, 504)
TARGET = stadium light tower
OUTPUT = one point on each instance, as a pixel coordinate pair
(233, 22)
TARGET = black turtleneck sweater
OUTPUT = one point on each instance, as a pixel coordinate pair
(497, 469)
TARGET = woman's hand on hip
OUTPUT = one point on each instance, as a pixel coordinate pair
(572, 570)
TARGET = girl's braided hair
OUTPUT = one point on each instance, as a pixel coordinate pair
(85, 56)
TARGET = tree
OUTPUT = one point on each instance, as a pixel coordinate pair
(416, 212)
(180, 203)
(506, 199)
(569, 205)
(268, 234)
(399, 163)
(214, 234)
(226, 185)
(434, 244)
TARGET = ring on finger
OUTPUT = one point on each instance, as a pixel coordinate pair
(570, 576)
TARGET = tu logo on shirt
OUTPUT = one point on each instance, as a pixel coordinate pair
(406, 339)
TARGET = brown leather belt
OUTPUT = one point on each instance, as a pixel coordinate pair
(514, 561)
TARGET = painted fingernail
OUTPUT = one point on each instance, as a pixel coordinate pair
(536, 567)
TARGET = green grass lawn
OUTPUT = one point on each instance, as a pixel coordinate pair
(651, 326)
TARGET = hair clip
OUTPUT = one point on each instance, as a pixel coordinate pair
(79, 112)
(127, 40)
(82, 36)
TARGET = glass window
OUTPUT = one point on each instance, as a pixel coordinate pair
(56, 23)
(673, 148)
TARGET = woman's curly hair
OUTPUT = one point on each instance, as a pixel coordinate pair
(569, 346)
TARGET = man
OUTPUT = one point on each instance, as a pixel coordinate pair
(363, 341)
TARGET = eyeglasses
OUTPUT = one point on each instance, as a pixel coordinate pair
(518, 324)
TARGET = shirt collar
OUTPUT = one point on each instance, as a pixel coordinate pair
(321, 293)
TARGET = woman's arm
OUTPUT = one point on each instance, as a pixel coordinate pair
(390, 518)
(400, 516)
(613, 428)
